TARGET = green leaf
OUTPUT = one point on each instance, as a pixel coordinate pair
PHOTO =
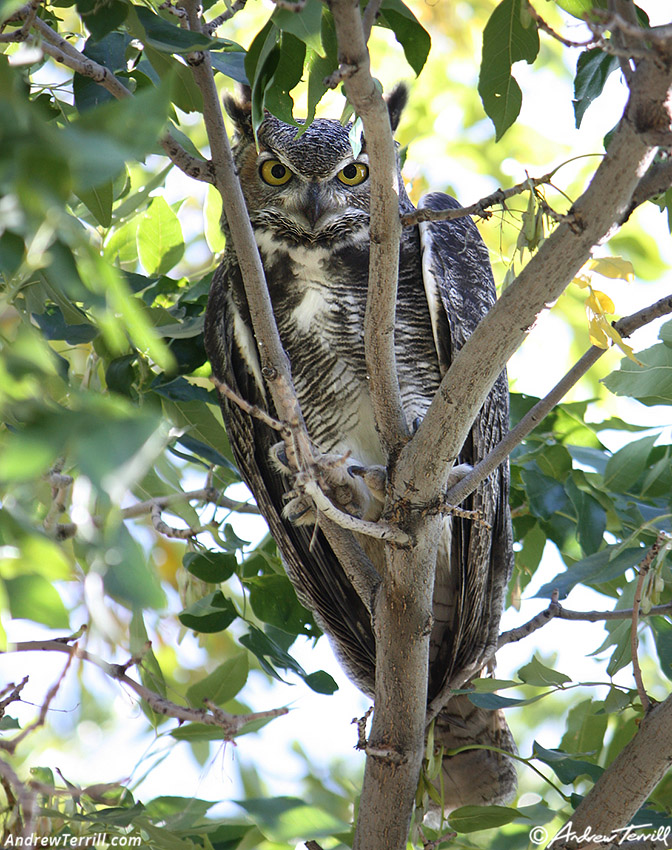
(222, 684)
(100, 141)
(151, 674)
(586, 725)
(171, 38)
(274, 601)
(581, 8)
(627, 464)
(509, 36)
(321, 682)
(98, 200)
(267, 650)
(286, 76)
(53, 326)
(546, 496)
(409, 32)
(288, 819)
(536, 673)
(127, 575)
(493, 701)
(32, 597)
(591, 518)
(212, 613)
(230, 64)
(592, 70)
(475, 818)
(651, 383)
(178, 813)
(306, 25)
(12, 250)
(101, 18)
(662, 632)
(193, 732)
(665, 334)
(160, 240)
(212, 567)
(603, 566)
(566, 768)
(319, 67)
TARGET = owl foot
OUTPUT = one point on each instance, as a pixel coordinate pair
(352, 488)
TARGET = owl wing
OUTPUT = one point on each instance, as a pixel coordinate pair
(311, 565)
(460, 289)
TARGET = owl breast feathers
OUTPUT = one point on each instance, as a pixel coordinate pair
(308, 200)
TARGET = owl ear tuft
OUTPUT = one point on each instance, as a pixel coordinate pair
(396, 101)
(239, 108)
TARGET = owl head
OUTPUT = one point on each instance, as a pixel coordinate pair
(304, 184)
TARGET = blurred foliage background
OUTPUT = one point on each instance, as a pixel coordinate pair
(106, 254)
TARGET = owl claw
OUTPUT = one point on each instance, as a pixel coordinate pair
(355, 489)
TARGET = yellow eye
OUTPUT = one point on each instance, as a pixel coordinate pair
(274, 172)
(353, 174)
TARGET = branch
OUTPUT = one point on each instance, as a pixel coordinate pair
(210, 28)
(274, 362)
(625, 785)
(555, 611)
(657, 180)
(480, 208)
(385, 229)
(533, 417)
(643, 569)
(67, 530)
(230, 723)
(62, 51)
(427, 459)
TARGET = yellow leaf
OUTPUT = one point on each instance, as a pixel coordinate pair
(582, 280)
(618, 340)
(599, 302)
(613, 267)
(597, 334)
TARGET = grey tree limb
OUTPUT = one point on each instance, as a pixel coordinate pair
(625, 785)
(385, 229)
(542, 408)
(424, 462)
(276, 368)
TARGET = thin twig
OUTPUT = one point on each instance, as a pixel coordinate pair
(369, 17)
(55, 46)
(11, 745)
(170, 530)
(533, 417)
(251, 409)
(642, 571)
(210, 27)
(541, 23)
(480, 208)
(25, 797)
(555, 611)
(207, 494)
(361, 728)
(230, 723)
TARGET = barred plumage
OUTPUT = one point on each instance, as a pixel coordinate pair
(308, 200)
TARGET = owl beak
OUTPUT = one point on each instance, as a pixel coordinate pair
(312, 207)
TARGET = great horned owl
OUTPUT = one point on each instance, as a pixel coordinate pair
(308, 199)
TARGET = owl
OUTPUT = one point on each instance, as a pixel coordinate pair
(308, 198)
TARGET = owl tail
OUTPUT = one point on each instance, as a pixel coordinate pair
(475, 777)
